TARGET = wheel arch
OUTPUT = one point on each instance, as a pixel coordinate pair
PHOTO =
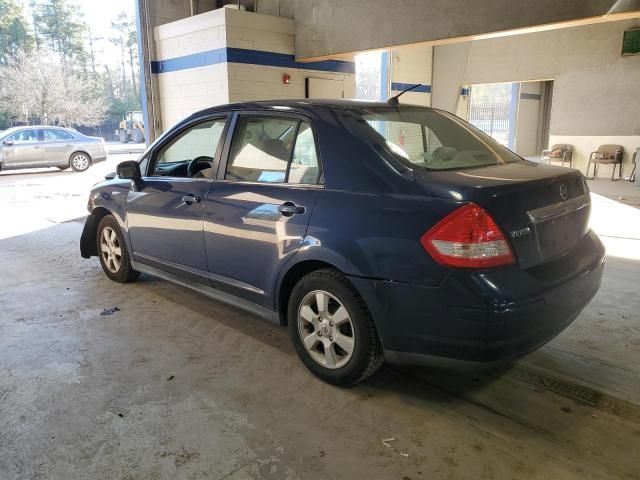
(88, 240)
(291, 278)
(83, 152)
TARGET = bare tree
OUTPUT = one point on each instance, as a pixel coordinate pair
(36, 86)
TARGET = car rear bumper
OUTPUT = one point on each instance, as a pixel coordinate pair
(487, 316)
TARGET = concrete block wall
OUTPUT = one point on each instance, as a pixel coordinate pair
(270, 34)
(165, 11)
(410, 65)
(415, 64)
(182, 91)
(227, 55)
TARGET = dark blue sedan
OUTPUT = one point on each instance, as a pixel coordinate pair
(372, 230)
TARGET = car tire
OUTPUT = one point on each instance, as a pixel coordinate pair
(339, 346)
(79, 161)
(113, 253)
(137, 136)
(123, 137)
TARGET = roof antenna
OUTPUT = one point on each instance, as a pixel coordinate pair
(394, 100)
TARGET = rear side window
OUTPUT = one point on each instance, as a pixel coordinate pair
(305, 167)
(52, 135)
(273, 150)
(433, 140)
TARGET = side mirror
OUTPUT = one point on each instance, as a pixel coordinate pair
(129, 170)
(8, 143)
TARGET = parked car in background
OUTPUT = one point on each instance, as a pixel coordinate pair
(43, 146)
(372, 230)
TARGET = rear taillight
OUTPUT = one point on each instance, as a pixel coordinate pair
(468, 238)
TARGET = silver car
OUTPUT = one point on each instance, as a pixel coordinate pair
(42, 146)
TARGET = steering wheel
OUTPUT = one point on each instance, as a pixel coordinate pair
(198, 164)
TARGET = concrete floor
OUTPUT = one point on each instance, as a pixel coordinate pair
(177, 386)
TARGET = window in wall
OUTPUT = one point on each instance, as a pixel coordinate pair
(371, 75)
(273, 150)
(493, 108)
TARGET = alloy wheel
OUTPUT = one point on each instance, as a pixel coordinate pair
(110, 249)
(326, 329)
(80, 162)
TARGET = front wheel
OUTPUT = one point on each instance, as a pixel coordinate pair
(332, 330)
(80, 162)
(137, 136)
(113, 253)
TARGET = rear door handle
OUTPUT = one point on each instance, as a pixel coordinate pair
(190, 199)
(289, 209)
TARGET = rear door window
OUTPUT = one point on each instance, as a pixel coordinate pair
(51, 135)
(273, 150)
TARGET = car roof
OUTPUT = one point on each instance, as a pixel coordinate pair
(9, 131)
(28, 127)
(303, 104)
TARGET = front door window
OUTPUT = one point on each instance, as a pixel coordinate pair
(192, 152)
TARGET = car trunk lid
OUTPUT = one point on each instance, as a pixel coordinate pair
(542, 209)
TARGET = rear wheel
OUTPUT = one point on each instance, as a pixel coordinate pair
(80, 161)
(113, 253)
(123, 136)
(332, 330)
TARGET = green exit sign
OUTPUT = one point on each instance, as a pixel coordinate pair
(631, 42)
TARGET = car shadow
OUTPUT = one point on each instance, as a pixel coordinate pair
(33, 172)
(442, 383)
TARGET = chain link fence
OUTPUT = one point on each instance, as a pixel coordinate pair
(491, 118)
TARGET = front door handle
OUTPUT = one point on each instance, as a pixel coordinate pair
(190, 199)
(289, 208)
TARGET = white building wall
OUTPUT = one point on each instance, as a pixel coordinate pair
(594, 97)
(411, 65)
(194, 73)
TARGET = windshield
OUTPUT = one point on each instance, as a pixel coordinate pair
(434, 140)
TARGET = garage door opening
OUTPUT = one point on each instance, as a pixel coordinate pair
(515, 114)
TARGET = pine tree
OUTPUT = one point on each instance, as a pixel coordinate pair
(14, 32)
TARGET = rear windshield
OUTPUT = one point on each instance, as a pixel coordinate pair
(432, 139)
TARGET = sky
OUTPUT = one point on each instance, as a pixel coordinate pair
(98, 14)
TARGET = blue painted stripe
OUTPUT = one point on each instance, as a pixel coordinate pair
(399, 87)
(252, 57)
